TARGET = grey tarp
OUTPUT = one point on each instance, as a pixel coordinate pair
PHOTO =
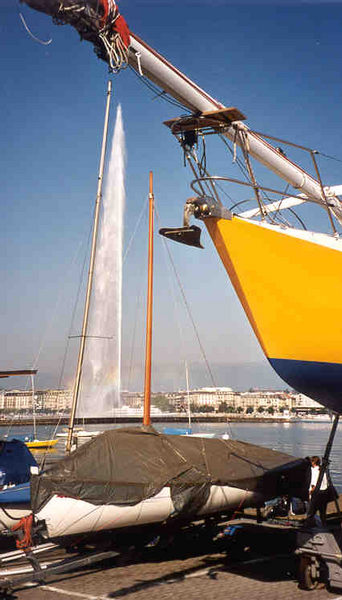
(125, 466)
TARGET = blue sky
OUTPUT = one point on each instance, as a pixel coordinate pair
(278, 62)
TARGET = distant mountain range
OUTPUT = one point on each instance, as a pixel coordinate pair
(171, 377)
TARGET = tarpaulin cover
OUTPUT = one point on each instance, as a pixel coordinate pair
(125, 466)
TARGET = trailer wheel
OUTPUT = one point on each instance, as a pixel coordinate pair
(308, 573)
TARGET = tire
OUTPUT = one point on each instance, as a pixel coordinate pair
(307, 580)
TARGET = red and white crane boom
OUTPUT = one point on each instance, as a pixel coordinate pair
(149, 63)
(100, 22)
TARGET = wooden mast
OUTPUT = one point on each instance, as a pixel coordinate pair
(90, 272)
(148, 350)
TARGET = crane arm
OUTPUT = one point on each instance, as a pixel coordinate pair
(148, 62)
(99, 22)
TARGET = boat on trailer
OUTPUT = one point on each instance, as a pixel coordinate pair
(129, 477)
(132, 478)
(17, 465)
(247, 241)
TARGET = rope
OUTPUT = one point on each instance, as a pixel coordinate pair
(44, 43)
(116, 51)
(115, 36)
(25, 543)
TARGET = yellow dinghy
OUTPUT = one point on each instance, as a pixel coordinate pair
(41, 444)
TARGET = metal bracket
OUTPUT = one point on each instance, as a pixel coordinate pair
(202, 207)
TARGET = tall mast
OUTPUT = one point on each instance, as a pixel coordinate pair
(148, 351)
(33, 408)
(188, 395)
(90, 272)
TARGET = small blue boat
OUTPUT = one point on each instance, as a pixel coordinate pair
(16, 465)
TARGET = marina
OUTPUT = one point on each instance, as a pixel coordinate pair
(105, 506)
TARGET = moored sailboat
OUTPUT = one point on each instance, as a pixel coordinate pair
(33, 442)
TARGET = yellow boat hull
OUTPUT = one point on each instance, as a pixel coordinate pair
(289, 283)
(41, 444)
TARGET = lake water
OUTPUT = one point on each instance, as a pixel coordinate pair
(296, 439)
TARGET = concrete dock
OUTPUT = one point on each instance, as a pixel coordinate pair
(190, 566)
(204, 576)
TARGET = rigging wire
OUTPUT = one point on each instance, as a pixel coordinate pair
(158, 92)
(78, 293)
(137, 309)
(327, 156)
(277, 217)
(45, 336)
(138, 306)
(175, 303)
(69, 337)
(139, 295)
(188, 310)
(191, 156)
(171, 262)
(142, 212)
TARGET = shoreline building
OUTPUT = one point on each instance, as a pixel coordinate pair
(58, 401)
(207, 399)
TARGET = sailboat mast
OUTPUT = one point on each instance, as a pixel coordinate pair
(188, 394)
(90, 272)
(148, 351)
(33, 408)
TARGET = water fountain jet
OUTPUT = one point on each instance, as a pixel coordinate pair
(100, 382)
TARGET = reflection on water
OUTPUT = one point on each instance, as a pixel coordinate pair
(297, 439)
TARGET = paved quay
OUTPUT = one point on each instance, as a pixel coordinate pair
(189, 569)
(208, 576)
